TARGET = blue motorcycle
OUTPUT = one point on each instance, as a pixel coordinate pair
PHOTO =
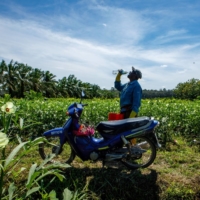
(131, 141)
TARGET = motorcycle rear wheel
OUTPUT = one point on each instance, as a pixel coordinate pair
(143, 153)
(64, 155)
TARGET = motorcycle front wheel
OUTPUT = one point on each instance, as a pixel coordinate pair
(143, 153)
(64, 154)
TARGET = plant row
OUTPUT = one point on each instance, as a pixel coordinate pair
(176, 117)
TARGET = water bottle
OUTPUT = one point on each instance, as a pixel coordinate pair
(116, 72)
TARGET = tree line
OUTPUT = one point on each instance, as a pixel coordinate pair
(20, 80)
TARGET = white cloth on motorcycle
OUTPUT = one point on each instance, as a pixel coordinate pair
(119, 126)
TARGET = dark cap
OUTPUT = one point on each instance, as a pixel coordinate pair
(137, 72)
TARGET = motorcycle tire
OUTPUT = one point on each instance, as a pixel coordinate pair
(143, 153)
(65, 155)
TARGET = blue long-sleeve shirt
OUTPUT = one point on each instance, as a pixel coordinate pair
(130, 94)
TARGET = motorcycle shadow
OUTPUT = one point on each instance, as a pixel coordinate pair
(114, 182)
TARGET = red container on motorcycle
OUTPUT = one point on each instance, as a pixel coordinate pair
(115, 116)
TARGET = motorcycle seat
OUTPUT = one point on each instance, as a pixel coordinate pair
(119, 126)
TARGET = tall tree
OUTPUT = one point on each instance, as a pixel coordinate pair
(8, 77)
(36, 78)
(49, 84)
(188, 90)
(62, 87)
(73, 86)
(23, 78)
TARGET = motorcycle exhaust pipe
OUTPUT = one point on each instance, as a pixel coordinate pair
(110, 157)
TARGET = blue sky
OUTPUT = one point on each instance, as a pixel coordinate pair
(91, 38)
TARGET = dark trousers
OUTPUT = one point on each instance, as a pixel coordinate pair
(126, 113)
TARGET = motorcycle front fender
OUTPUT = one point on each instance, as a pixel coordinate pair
(56, 132)
(59, 132)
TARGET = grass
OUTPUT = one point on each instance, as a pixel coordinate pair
(175, 174)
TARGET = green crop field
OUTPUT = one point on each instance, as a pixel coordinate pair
(176, 117)
(175, 174)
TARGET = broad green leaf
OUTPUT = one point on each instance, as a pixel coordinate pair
(60, 176)
(46, 161)
(52, 195)
(13, 153)
(67, 194)
(31, 172)
(52, 172)
(57, 165)
(75, 195)
(31, 191)
(38, 140)
(18, 138)
(11, 190)
(33, 179)
(1, 167)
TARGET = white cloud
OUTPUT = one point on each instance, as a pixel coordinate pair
(69, 44)
(163, 66)
(182, 71)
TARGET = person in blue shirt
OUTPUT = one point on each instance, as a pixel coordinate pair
(130, 93)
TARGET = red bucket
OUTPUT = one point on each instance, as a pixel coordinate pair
(115, 116)
(119, 116)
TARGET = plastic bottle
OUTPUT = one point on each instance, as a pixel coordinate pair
(116, 72)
